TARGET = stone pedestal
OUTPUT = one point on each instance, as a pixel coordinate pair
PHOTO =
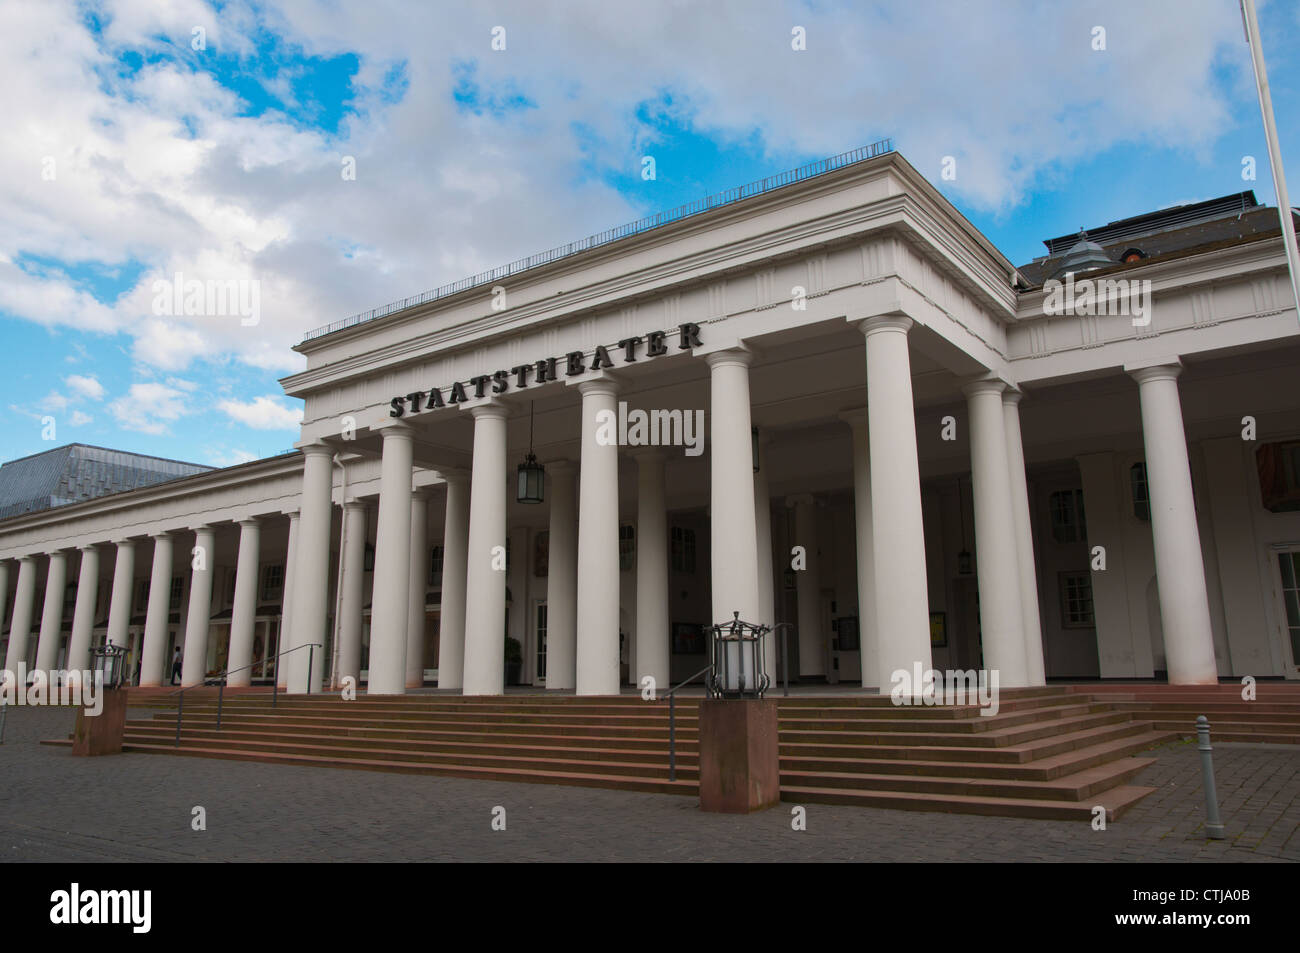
(739, 764)
(102, 733)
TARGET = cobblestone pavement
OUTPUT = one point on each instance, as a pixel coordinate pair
(54, 807)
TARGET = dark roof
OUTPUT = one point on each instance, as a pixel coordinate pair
(79, 472)
(1159, 240)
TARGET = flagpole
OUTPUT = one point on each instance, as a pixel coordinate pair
(1251, 23)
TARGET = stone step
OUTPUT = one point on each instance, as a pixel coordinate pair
(559, 746)
(619, 763)
(525, 775)
(163, 729)
(994, 738)
(1043, 769)
(1073, 787)
(1115, 802)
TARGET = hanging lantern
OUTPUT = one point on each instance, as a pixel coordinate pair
(532, 475)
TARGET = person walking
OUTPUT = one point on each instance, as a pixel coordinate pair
(176, 664)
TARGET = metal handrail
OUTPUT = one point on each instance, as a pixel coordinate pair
(672, 719)
(220, 680)
(785, 654)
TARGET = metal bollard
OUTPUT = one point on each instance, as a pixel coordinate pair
(1213, 825)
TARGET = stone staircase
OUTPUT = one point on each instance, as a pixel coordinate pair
(1053, 753)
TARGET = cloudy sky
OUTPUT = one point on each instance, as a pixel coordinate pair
(336, 156)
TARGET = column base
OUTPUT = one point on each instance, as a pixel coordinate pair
(102, 733)
(739, 755)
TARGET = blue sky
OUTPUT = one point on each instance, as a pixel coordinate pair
(209, 139)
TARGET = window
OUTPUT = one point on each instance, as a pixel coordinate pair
(141, 597)
(1137, 475)
(1278, 465)
(1076, 600)
(626, 547)
(272, 583)
(1290, 563)
(683, 550)
(1067, 516)
(177, 593)
(435, 566)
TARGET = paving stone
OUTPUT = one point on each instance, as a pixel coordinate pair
(137, 807)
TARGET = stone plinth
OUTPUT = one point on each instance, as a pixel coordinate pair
(739, 764)
(102, 733)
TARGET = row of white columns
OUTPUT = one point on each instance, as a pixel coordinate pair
(154, 665)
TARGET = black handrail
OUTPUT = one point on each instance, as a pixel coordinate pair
(672, 719)
(220, 680)
(785, 654)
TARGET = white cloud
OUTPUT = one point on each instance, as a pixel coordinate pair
(229, 458)
(165, 166)
(149, 407)
(86, 385)
(80, 419)
(262, 413)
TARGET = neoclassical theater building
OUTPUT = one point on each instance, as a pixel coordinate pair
(824, 399)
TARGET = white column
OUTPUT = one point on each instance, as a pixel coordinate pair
(812, 641)
(83, 613)
(390, 602)
(311, 577)
(119, 605)
(653, 648)
(286, 603)
(997, 565)
(243, 613)
(1180, 572)
(352, 598)
(485, 586)
(766, 570)
(20, 626)
(734, 537)
(868, 632)
(194, 663)
(597, 668)
(1031, 623)
(418, 566)
(898, 538)
(732, 519)
(153, 667)
(455, 563)
(562, 578)
(56, 585)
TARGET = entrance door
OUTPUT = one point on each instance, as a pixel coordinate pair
(1289, 563)
(539, 615)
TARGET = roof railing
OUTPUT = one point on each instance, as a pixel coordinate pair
(708, 203)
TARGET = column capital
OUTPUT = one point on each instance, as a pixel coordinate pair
(89, 546)
(492, 411)
(123, 541)
(249, 521)
(985, 386)
(1165, 371)
(29, 558)
(886, 322)
(740, 354)
(1012, 396)
(453, 475)
(162, 534)
(355, 505)
(51, 553)
(604, 386)
(315, 448)
(392, 426)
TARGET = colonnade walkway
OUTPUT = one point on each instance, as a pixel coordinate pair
(1057, 752)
